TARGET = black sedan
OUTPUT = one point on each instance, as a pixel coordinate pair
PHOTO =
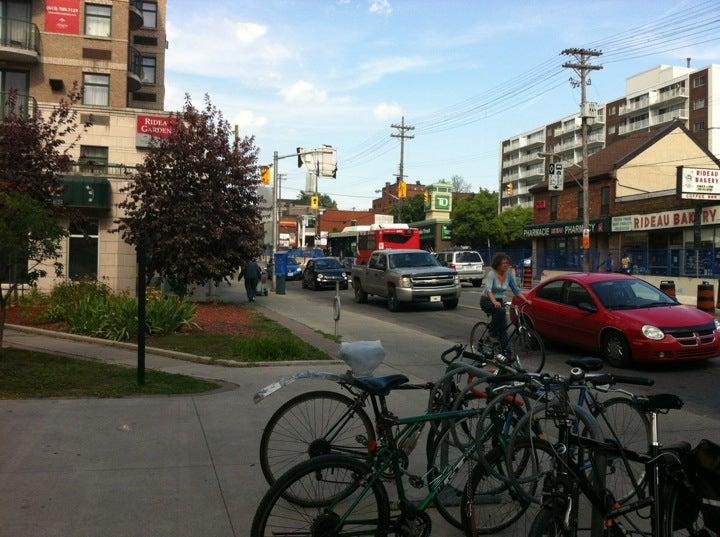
(324, 272)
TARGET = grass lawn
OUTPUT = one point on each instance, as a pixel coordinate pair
(266, 341)
(28, 374)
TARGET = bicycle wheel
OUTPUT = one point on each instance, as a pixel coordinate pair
(684, 515)
(312, 424)
(548, 521)
(339, 499)
(632, 428)
(481, 342)
(528, 349)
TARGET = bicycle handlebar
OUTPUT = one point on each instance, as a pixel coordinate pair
(638, 381)
(457, 349)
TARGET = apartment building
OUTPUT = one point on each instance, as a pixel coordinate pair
(114, 50)
(653, 99)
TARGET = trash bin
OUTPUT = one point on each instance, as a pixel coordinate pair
(281, 259)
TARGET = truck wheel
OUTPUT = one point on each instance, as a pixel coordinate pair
(450, 304)
(476, 283)
(392, 300)
(360, 295)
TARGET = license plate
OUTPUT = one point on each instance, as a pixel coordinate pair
(434, 299)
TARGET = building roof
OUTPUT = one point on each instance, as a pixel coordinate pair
(615, 155)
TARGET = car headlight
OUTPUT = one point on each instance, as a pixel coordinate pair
(456, 279)
(717, 324)
(652, 332)
(321, 276)
(344, 275)
(405, 281)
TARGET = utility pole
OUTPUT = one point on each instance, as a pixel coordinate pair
(582, 67)
(276, 216)
(401, 130)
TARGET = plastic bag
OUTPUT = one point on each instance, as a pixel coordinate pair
(363, 357)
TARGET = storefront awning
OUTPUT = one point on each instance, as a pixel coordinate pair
(565, 229)
(86, 192)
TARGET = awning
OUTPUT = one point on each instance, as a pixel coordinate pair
(86, 192)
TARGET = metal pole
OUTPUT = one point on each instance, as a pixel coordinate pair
(697, 237)
(141, 297)
(317, 211)
(276, 216)
(586, 181)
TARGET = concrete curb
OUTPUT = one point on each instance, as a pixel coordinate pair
(165, 352)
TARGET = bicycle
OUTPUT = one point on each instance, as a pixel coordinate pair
(525, 343)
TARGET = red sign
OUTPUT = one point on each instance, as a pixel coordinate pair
(62, 16)
(540, 204)
(149, 127)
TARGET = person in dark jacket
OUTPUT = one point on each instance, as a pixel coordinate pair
(251, 272)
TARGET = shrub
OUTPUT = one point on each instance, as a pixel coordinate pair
(34, 297)
(67, 296)
(166, 315)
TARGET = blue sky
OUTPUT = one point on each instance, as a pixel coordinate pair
(310, 72)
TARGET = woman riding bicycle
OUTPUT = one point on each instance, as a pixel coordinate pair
(497, 284)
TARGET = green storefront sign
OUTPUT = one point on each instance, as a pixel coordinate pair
(442, 202)
(446, 232)
(426, 231)
(565, 229)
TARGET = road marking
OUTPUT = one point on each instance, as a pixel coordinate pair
(470, 307)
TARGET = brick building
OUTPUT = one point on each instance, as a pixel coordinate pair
(389, 196)
(114, 50)
(334, 220)
(633, 208)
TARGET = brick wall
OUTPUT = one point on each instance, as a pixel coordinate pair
(568, 202)
(701, 114)
(613, 120)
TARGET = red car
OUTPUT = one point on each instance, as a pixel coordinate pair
(624, 318)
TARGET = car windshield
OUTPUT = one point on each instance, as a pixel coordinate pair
(327, 264)
(630, 294)
(468, 257)
(413, 259)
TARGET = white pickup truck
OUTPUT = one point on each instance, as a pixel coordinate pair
(405, 276)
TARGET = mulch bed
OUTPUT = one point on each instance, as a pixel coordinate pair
(25, 316)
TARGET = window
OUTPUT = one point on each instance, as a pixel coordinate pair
(605, 201)
(149, 12)
(612, 129)
(381, 262)
(613, 111)
(93, 158)
(413, 259)
(699, 126)
(699, 81)
(96, 89)
(148, 69)
(553, 208)
(698, 103)
(576, 294)
(83, 255)
(580, 204)
(373, 261)
(98, 20)
(630, 294)
(552, 291)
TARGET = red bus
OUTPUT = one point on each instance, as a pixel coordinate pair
(385, 237)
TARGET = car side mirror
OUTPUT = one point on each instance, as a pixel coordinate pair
(586, 306)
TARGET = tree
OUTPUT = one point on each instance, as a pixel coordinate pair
(512, 222)
(194, 202)
(409, 209)
(475, 220)
(326, 202)
(34, 154)
(460, 185)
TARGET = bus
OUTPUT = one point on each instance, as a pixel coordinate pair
(361, 241)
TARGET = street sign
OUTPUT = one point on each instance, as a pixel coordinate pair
(698, 183)
(586, 239)
(556, 176)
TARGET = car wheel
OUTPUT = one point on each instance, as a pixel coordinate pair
(476, 283)
(450, 304)
(392, 300)
(316, 285)
(360, 295)
(616, 350)
(304, 283)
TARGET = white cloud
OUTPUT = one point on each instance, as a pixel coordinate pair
(303, 92)
(174, 98)
(387, 111)
(249, 32)
(372, 71)
(247, 120)
(380, 7)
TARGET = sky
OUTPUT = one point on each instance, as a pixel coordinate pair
(302, 73)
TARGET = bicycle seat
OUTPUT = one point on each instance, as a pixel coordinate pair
(660, 401)
(586, 364)
(381, 385)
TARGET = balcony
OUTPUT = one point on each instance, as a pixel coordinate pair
(632, 127)
(632, 106)
(681, 113)
(510, 177)
(135, 71)
(677, 93)
(537, 171)
(19, 41)
(533, 142)
(12, 103)
(136, 16)
(511, 147)
(530, 157)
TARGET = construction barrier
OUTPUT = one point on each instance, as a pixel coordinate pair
(527, 277)
(668, 287)
(706, 297)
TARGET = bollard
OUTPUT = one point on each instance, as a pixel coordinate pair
(668, 287)
(527, 277)
(706, 297)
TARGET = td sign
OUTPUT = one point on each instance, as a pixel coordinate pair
(441, 202)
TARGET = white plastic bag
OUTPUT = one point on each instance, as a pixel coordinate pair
(363, 357)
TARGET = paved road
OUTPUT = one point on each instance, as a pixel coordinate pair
(696, 383)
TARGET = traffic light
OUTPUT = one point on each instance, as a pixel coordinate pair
(265, 174)
(402, 189)
(510, 189)
(426, 197)
(314, 202)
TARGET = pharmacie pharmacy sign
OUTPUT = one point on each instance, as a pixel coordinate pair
(665, 219)
(698, 183)
(565, 229)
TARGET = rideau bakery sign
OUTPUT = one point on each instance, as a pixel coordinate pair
(665, 219)
(698, 183)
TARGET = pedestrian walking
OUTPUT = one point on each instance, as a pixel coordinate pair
(498, 282)
(626, 263)
(609, 263)
(251, 273)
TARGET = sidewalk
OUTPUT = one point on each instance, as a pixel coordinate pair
(185, 465)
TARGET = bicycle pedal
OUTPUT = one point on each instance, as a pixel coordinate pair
(417, 482)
